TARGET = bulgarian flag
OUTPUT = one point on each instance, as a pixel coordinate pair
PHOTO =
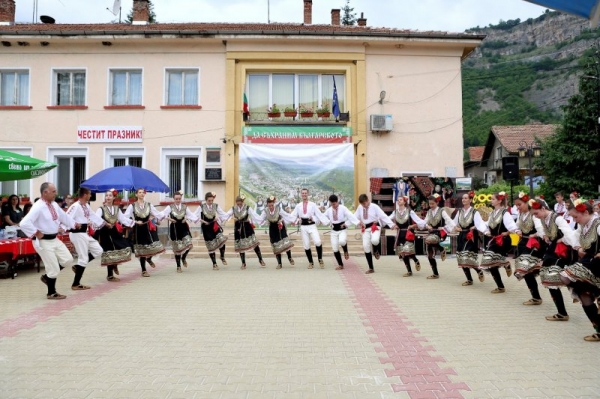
(246, 110)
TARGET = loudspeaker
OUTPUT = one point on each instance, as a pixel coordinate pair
(510, 168)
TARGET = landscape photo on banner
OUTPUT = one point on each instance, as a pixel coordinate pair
(283, 170)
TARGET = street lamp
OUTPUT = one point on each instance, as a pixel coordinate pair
(531, 150)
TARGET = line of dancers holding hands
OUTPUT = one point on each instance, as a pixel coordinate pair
(548, 246)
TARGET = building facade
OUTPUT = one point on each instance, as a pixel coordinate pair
(170, 97)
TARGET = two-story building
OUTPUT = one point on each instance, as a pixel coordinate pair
(170, 97)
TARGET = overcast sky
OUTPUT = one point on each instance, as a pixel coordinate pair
(446, 15)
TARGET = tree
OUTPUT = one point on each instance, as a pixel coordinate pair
(571, 158)
(349, 16)
(152, 17)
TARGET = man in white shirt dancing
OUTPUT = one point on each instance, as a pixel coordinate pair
(42, 224)
(371, 217)
(339, 215)
(307, 213)
(81, 212)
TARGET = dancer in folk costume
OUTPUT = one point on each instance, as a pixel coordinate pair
(371, 219)
(145, 238)
(438, 224)
(42, 225)
(497, 240)
(339, 217)
(559, 238)
(277, 218)
(209, 214)
(466, 221)
(403, 216)
(583, 276)
(530, 249)
(116, 248)
(244, 236)
(308, 215)
(179, 231)
(84, 244)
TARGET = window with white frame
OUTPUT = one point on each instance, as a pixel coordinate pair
(14, 87)
(126, 87)
(181, 168)
(71, 169)
(181, 87)
(18, 187)
(69, 87)
(293, 90)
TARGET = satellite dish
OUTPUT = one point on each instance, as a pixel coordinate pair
(47, 19)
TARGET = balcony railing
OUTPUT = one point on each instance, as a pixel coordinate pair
(264, 117)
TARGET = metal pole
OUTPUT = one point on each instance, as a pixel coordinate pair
(530, 153)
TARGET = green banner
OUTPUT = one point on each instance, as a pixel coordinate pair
(297, 134)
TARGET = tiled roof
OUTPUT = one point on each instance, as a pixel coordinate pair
(232, 28)
(476, 153)
(511, 136)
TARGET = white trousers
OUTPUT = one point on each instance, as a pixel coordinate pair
(83, 244)
(370, 238)
(53, 253)
(310, 232)
(338, 238)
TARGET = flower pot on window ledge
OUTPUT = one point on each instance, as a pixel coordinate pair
(324, 115)
(24, 200)
(117, 201)
(193, 202)
(274, 114)
(290, 114)
(306, 114)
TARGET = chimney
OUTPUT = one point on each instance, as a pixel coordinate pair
(141, 12)
(7, 12)
(335, 16)
(307, 12)
(362, 21)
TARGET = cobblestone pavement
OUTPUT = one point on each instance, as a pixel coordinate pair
(289, 333)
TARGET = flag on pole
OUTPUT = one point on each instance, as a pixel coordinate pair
(335, 107)
(246, 109)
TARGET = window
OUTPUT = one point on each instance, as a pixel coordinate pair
(293, 90)
(70, 173)
(126, 87)
(182, 87)
(133, 161)
(213, 156)
(14, 88)
(499, 153)
(181, 170)
(19, 187)
(70, 88)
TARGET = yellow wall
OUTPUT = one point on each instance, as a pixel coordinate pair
(240, 63)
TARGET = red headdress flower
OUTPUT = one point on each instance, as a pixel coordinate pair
(591, 201)
(541, 197)
(581, 208)
(114, 192)
(536, 205)
(471, 194)
(523, 197)
(575, 194)
(501, 195)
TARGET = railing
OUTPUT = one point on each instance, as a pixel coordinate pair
(290, 118)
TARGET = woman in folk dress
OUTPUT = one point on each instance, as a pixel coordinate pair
(244, 236)
(116, 248)
(145, 238)
(530, 248)
(277, 218)
(403, 216)
(209, 214)
(179, 230)
(467, 220)
(497, 240)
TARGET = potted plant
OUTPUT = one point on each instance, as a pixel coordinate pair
(24, 198)
(290, 112)
(306, 112)
(273, 111)
(191, 199)
(132, 197)
(323, 111)
(118, 198)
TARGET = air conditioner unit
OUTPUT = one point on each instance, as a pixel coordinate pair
(381, 123)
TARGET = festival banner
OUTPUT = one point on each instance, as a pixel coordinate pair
(283, 170)
(297, 134)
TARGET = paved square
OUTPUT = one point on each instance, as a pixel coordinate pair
(289, 333)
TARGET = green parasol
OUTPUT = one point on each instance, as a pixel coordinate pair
(20, 167)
